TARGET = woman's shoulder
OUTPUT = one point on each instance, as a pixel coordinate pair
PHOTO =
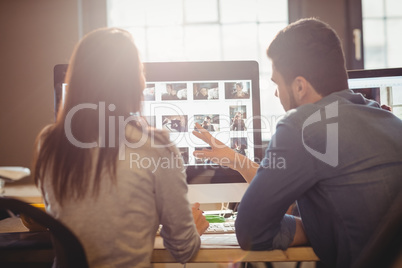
(150, 138)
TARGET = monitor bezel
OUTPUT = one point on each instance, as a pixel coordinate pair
(371, 73)
(198, 70)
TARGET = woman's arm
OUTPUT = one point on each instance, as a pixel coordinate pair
(200, 221)
(181, 224)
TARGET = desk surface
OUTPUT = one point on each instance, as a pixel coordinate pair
(238, 255)
(213, 250)
(233, 255)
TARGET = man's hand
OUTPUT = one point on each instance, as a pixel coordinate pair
(224, 155)
(219, 152)
(386, 107)
(200, 221)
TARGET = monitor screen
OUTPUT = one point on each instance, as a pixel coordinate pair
(223, 96)
(381, 85)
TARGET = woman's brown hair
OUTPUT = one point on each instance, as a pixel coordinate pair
(104, 80)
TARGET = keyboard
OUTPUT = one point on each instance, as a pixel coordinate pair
(215, 228)
(221, 228)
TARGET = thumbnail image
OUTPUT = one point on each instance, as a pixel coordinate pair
(175, 123)
(206, 91)
(149, 92)
(237, 115)
(208, 121)
(174, 91)
(184, 154)
(369, 93)
(237, 90)
(202, 160)
(239, 145)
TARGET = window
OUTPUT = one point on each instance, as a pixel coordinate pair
(195, 30)
(382, 23)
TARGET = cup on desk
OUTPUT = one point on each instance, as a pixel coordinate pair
(30, 223)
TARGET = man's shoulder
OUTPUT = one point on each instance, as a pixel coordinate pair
(333, 105)
(296, 117)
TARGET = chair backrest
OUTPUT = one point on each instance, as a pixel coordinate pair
(68, 249)
(385, 246)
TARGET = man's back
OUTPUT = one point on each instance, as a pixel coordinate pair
(344, 167)
(351, 198)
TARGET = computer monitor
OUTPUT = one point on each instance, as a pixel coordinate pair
(381, 85)
(223, 96)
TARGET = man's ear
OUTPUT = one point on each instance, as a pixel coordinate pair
(300, 88)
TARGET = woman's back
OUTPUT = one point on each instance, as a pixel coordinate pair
(100, 170)
(119, 226)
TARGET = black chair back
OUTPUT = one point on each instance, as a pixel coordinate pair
(385, 246)
(68, 249)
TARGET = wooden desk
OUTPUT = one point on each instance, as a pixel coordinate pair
(213, 251)
(209, 253)
(203, 256)
(233, 255)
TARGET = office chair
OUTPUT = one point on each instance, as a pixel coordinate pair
(68, 249)
(385, 247)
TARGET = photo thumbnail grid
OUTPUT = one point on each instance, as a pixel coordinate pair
(224, 108)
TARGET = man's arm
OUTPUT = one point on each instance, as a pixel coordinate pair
(245, 166)
(286, 173)
(223, 155)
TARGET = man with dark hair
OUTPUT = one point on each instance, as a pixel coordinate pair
(340, 155)
(311, 49)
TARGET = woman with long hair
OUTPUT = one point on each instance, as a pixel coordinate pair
(103, 172)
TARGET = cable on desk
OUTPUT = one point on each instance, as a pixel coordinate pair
(224, 207)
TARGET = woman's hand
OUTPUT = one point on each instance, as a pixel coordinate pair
(200, 221)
